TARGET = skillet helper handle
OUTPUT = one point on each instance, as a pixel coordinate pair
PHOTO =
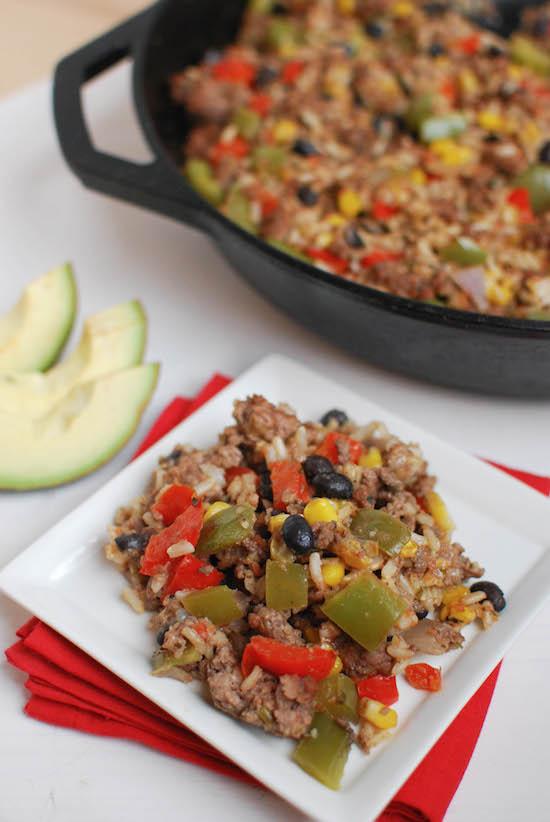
(152, 185)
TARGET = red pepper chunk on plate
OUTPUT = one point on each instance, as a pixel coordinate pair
(239, 471)
(423, 677)
(185, 527)
(234, 71)
(173, 501)
(191, 574)
(288, 480)
(329, 447)
(381, 688)
(279, 658)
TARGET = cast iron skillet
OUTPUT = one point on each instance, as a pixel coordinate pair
(457, 348)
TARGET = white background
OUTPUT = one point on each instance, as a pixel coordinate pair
(202, 318)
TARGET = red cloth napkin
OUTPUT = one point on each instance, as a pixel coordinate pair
(70, 689)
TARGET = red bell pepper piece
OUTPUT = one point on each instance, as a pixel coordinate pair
(238, 471)
(470, 44)
(268, 203)
(383, 211)
(381, 688)
(287, 476)
(379, 256)
(234, 71)
(189, 573)
(173, 502)
(187, 526)
(237, 147)
(292, 71)
(329, 447)
(335, 263)
(448, 90)
(279, 658)
(423, 677)
(519, 198)
(260, 103)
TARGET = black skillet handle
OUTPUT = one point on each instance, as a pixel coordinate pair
(153, 185)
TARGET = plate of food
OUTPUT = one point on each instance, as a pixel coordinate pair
(299, 593)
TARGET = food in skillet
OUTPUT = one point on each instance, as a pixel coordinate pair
(298, 569)
(394, 144)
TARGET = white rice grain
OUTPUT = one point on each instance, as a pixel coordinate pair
(180, 549)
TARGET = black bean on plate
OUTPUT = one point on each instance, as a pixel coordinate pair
(492, 592)
(333, 486)
(315, 464)
(339, 417)
(298, 535)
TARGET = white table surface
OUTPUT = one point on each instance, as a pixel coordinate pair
(203, 318)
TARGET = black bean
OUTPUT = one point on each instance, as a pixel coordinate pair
(374, 29)
(435, 9)
(315, 464)
(335, 486)
(436, 50)
(491, 138)
(307, 196)
(298, 535)
(378, 573)
(264, 76)
(544, 153)
(175, 455)
(162, 633)
(133, 541)
(265, 489)
(352, 238)
(495, 51)
(340, 417)
(304, 148)
(422, 614)
(492, 592)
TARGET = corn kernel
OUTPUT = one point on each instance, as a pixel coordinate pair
(336, 220)
(349, 203)
(324, 238)
(468, 81)
(276, 522)
(284, 131)
(515, 72)
(346, 6)
(215, 508)
(320, 509)
(371, 459)
(402, 9)
(491, 121)
(454, 594)
(418, 177)
(531, 133)
(462, 613)
(438, 510)
(378, 714)
(409, 550)
(333, 572)
(499, 293)
(312, 634)
(451, 153)
(337, 667)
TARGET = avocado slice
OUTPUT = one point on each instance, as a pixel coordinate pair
(111, 340)
(33, 333)
(88, 427)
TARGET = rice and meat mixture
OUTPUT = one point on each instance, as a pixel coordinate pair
(391, 143)
(297, 569)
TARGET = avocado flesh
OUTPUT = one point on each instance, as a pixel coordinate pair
(33, 333)
(88, 427)
(112, 340)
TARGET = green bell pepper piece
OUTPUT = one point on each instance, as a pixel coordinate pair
(536, 179)
(419, 110)
(366, 609)
(260, 6)
(281, 34)
(337, 696)
(442, 126)
(200, 175)
(247, 122)
(218, 604)
(270, 159)
(527, 53)
(287, 249)
(237, 208)
(163, 662)
(390, 533)
(463, 251)
(323, 753)
(224, 529)
(285, 585)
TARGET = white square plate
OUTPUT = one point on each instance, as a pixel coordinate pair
(64, 579)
